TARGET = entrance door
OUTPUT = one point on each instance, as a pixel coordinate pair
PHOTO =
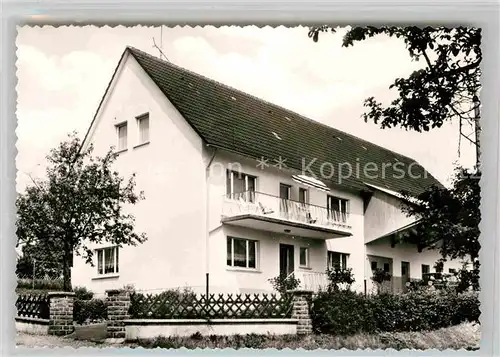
(286, 259)
(405, 274)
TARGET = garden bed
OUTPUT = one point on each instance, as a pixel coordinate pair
(463, 336)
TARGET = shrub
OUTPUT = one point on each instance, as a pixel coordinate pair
(40, 284)
(82, 293)
(382, 280)
(380, 275)
(346, 312)
(339, 279)
(339, 312)
(93, 310)
(468, 279)
(165, 304)
(282, 283)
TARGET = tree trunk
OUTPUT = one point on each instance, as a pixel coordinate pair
(477, 130)
(67, 271)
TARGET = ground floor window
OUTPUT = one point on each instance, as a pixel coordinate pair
(241, 252)
(304, 257)
(107, 260)
(425, 269)
(336, 259)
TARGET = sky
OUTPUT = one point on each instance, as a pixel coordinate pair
(63, 73)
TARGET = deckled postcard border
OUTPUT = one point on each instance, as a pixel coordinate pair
(484, 14)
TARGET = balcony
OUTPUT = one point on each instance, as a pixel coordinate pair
(271, 213)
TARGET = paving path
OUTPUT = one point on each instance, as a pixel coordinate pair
(26, 340)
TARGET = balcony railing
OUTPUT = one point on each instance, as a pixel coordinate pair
(311, 280)
(262, 204)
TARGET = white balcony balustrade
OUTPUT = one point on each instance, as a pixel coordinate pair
(268, 206)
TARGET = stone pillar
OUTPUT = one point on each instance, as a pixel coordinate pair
(61, 313)
(118, 303)
(301, 310)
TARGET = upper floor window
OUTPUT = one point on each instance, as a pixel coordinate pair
(107, 260)
(240, 186)
(337, 208)
(285, 191)
(303, 195)
(143, 126)
(121, 130)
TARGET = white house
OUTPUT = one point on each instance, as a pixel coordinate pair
(239, 190)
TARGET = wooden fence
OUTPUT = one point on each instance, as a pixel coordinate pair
(33, 305)
(170, 305)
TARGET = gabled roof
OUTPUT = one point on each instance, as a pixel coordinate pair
(232, 120)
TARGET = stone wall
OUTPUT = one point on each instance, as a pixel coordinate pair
(61, 313)
(118, 302)
(301, 311)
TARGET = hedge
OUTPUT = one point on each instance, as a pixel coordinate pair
(347, 312)
(94, 310)
(40, 284)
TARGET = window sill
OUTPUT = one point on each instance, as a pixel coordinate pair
(121, 151)
(141, 145)
(305, 267)
(106, 276)
(243, 270)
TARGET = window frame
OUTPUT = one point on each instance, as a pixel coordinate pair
(247, 253)
(139, 119)
(306, 195)
(343, 256)
(343, 215)
(116, 263)
(289, 191)
(123, 124)
(307, 265)
(422, 269)
(230, 195)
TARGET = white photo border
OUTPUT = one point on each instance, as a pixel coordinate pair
(484, 14)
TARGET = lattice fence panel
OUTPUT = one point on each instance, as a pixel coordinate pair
(221, 306)
(33, 305)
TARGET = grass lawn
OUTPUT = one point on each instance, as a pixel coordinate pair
(465, 336)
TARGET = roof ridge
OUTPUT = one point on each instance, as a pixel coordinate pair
(272, 104)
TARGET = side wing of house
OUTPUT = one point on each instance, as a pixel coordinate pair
(168, 158)
(384, 215)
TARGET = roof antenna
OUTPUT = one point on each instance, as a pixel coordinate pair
(159, 48)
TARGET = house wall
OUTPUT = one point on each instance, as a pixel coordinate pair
(268, 181)
(384, 215)
(229, 279)
(171, 172)
(381, 251)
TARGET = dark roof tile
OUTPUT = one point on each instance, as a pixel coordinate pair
(233, 120)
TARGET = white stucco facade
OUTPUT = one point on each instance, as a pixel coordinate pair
(185, 183)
